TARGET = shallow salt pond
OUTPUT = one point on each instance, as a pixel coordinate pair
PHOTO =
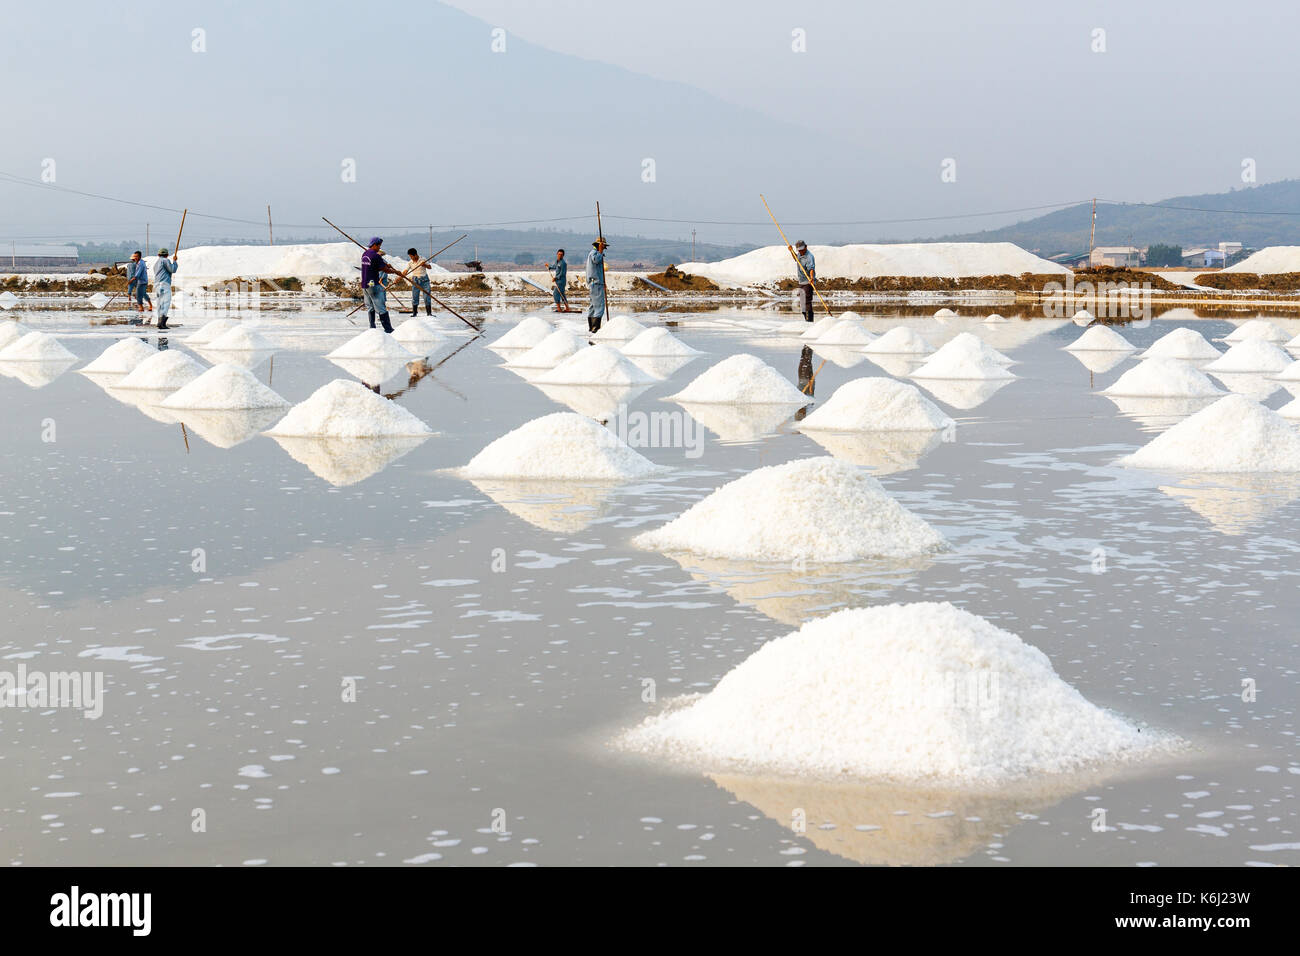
(234, 590)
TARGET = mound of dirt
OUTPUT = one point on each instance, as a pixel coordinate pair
(1250, 281)
(675, 280)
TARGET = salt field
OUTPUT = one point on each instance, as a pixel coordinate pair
(516, 598)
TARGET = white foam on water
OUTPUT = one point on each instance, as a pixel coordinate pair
(657, 342)
(121, 357)
(36, 347)
(914, 692)
(1182, 344)
(225, 386)
(1100, 338)
(560, 446)
(814, 509)
(171, 369)
(1234, 434)
(1164, 378)
(742, 379)
(596, 365)
(347, 409)
(1250, 355)
(877, 404)
(371, 344)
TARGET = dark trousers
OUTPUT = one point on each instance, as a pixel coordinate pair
(806, 300)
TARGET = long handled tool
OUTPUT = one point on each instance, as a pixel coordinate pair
(409, 282)
(432, 256)
(813, 378)
(177, 248)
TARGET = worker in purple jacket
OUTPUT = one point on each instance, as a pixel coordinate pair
(373, 267)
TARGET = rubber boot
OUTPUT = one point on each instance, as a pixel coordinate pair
(162, 323)
(372, 318)
(383, 317)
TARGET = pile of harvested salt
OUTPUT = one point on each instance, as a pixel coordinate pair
(1251, 355)
(657, 342)
(1100, 338)
(121, 357)
(241, 338)
(945, 313)
(561, 446)
(550, 351)
(224, 387)
(1256, 329)
(163, 371)
(1234, 434)
(1164, 378)
(742, 379)
(620, 329)
(10, 332)
(817, 509)
(597, 365)
(817, 328)
(345, 409)
(996, 319)
(877, 404)
(526, 334)
(371, 344)
(1186, 345)
(916, 692)
(899, 340)
(418, 334)
(36, 347)
(846, 332)
(965, 356)
(210, 331)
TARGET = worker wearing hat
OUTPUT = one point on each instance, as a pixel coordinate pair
(805, 276)
(596, 283)
(163, 269)
(373, 268)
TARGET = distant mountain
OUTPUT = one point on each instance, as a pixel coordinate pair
(1252, 216)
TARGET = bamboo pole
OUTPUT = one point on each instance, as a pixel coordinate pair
(604, 281)
(813, 378)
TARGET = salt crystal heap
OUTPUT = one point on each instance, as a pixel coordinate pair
(922, 693)
(418, 335)
(619, 329)
(550, 351)
(560, 446)
(877, 404)
(1260, 329)
(1100, 338)
(371, 344)
(596, 365)
(162, 371)
(121, 357)
(965, 356)
(1164, 378)
(848, 333)
(1251, 355)
(240, 338)
(815, 330)
(225, 387)
(1234, 434)
(210, 331)
(657, 342)
(346, 409)
(36, 347)
(526, 334)
(817, 509)
(10, 332)
(899, 340)
(741, 379)
(1187, 345)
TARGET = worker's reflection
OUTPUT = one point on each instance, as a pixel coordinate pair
(806, 382)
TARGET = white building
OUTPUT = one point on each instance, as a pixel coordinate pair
(1203, 258)
(1120, 257)
(29, 256)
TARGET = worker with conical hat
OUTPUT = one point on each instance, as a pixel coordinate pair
(163, 270)
(596, 283)
(805, 276)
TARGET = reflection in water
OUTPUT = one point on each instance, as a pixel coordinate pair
(1234, 503)
(247, 358)
(372, 370)
(841, 355)
(963, 393)
(899, 366)
(600, 402)
(226, 428)
(661, 366)
(1158, 414)
(807, 381)
(346, 461)
(883, 452)
(36, 374)
(1255, 385)
(740, 423)
(563, 506)
(1100, 363)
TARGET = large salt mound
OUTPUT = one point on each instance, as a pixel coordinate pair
(1184, 344)
(210, 331)
(945, 313)
(965, 356)
(620, 329)
(1248, 355)
(240, 339)
(550, 351)
(526, 334)
(846, 332)
(1100, 338)
(163, 370)
(346, 409)
(121, 357)
(742, 379)
(1234, 434)
(371, 344)
(1256, 329)
(225, 387)
(899, 340)
(36, 347)
(1268, 260)
(597, 365)
(560, 446)
(205, 265)
(10, 332)
(815, 330)
(1164, 378)
(418, 334)
(970, 345)
(877, 404)
(817, 509)
(1289, 374)
(914, 692)
(657, 342)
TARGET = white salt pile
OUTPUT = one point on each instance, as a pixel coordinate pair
(1187, 345)
(817, 328)
(1256, 329)
(899, 340)
(1100, 338)
(965, 356)
(225, 387)
(1083, 317)
(371, 344)
(945, 313)
(561, 446)
(910, 692)
(1164, 378)
(163, 370)
(1291, 409)
(10, 332)
(121, 357)
(210, 331)
(241, 338)
(817, 509)
(417, 334)
(1249, 355)
(658, 342)
(620, 329)
(597, 365)
(526, 334)
(995, 319)
(1293, 343)
(742, 379)
(1289, 374)
(346, 409)
(877, 404)
(1234, 434)
(846, 332)
(310, 262)
(1268, 260)
(551, 351)
(36, 347)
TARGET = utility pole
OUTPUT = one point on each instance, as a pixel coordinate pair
(146, 236)
(270, 233)
(692, 245)
(1092, 239)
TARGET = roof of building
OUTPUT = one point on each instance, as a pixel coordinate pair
(1117, 250)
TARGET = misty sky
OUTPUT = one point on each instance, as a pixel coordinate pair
(443, 130)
